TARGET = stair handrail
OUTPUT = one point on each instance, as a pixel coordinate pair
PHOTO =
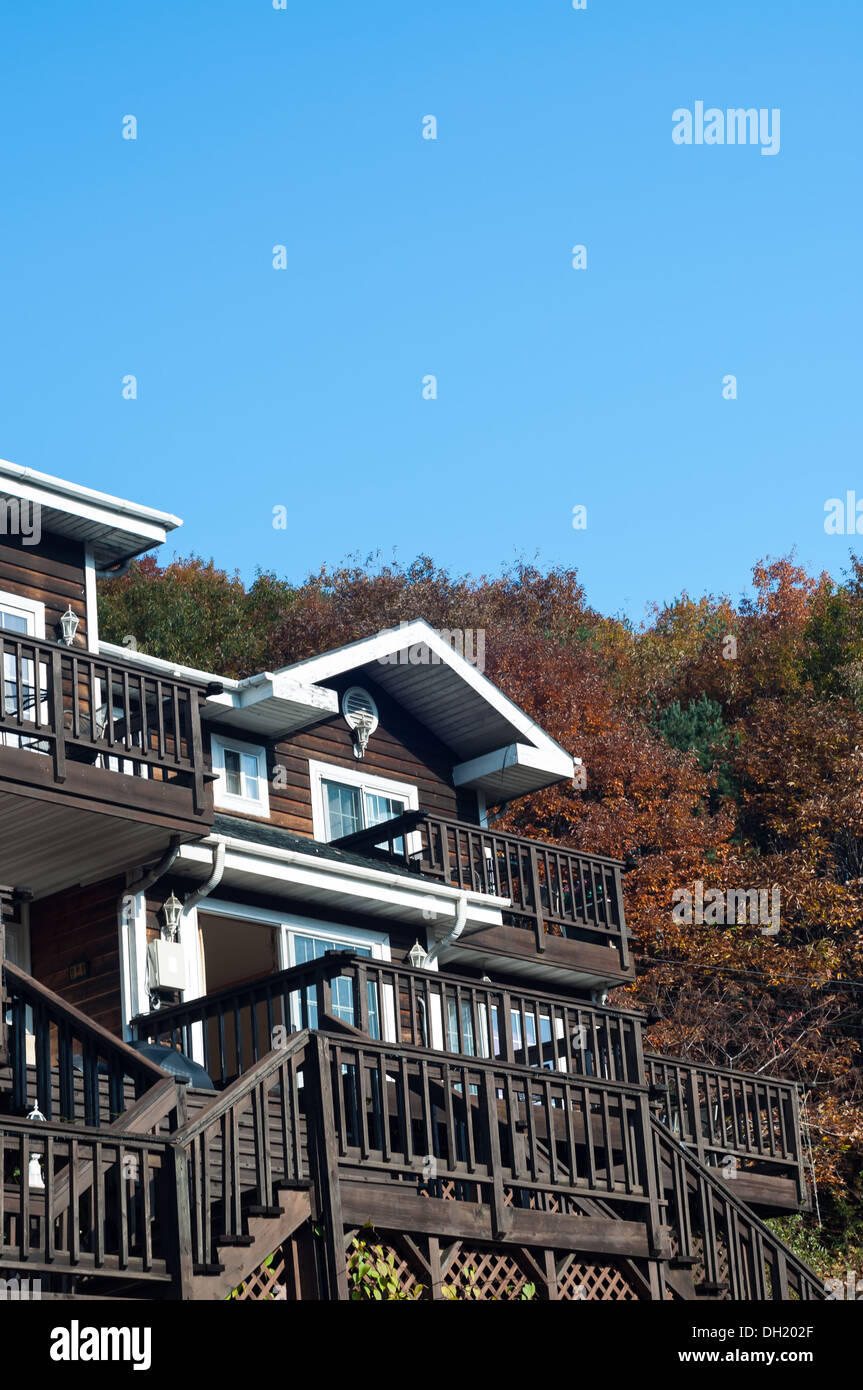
(721, 1189)
(193, 1167)
(97, 1042)
(224, 1101)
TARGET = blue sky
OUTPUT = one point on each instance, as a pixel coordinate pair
(406, 257)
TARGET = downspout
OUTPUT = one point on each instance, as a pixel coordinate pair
(452, 936)
(116, 573)
(147, 880)
(212, 882)
(127, 897)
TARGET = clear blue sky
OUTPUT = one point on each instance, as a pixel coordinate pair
(557, 387)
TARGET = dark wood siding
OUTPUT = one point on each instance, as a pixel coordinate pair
(400, 750)
(81, 924)
(52, 573)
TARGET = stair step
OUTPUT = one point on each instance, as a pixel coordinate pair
(683, 1261)
(269, 1212)
(235, 1240)
(208, 1269)
(707, 1290)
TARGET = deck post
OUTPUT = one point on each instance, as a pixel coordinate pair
(4, 898)
(500, 1222)
(180, 1219)
(323, 1154)
(536, 890)
(57, 716)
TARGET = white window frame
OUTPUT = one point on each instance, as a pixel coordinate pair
(224, 799)
(29, 608)
(353, 777)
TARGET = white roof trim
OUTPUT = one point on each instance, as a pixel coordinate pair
(89, 503)
(377, 891)
(490, 766)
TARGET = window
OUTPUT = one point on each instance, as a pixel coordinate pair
(241, 773)
(21, 617)
(344, 801)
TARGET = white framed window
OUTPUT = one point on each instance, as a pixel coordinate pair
(241, 776)
(345, 800)
(22, 617)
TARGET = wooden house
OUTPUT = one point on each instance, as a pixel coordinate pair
(273, 975)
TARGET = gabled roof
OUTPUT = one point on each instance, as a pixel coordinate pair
(117, 530)
(502, 752)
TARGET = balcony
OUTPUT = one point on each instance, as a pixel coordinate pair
(743, 1127)
(565, 908)
(82, 739)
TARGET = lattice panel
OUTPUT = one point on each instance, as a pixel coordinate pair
(593, 1283)
(488, 1274)
(268, 1282)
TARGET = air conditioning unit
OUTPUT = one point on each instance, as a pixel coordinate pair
(167, 965)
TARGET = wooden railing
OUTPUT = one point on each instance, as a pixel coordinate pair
(400, 1004)
(78, 1070)
(473, 1018)
(731, 1118)
(230, 1159)
(731, 1253)
(233, 1028)
(552, 891)
(79, 708)
(82, 1203)
(481, 1132)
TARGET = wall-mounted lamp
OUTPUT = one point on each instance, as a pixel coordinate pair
(417, 955)
(172, 912)
(69, 626)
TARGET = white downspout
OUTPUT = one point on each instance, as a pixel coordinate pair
(451, 937)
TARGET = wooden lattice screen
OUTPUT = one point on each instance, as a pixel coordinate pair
(484, 1273)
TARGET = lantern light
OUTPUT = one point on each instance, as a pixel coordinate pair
(173, 912)
(69, 626)
(417, 956)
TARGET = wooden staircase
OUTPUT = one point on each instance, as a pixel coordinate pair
(135, 1186)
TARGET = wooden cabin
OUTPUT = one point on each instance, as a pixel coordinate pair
(275, 980)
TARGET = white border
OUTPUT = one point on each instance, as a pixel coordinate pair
(30, 607)
(224, 799)
(353, 777)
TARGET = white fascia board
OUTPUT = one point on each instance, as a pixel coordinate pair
(555, 763)
(279, 704)
(289, 867)
(114, 513)
(368, 649)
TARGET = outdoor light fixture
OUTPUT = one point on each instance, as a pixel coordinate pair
(34, 1168)
(69, 625)
(417, 956)
(173, 911)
